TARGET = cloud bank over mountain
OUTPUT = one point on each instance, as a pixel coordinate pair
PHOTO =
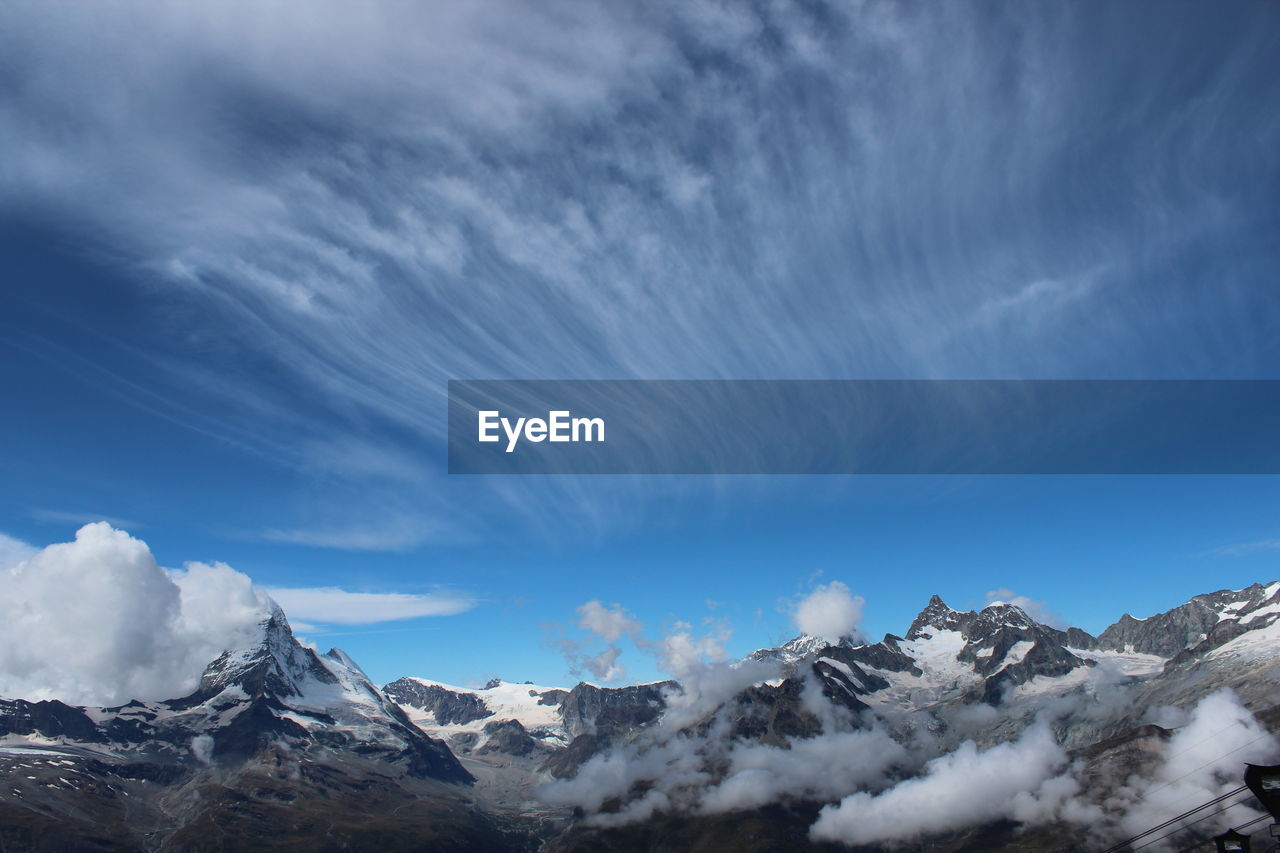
(99, 621)
(901, 742)
(831, 612)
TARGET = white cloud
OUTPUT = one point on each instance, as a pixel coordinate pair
(431, 195)
(607, 623)
(202, 748)
(81, 518)
(98, 621)
(966, 787)
(335, 606)
(401, 533)
(1243, 549)
(14, 551)
(605, 666)
(760, 773)
(1204, 759)
(831, 612)
(682, 652)
(1030, 781)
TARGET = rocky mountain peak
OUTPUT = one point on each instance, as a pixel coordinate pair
(936, 616)
(1204, 622)
(277, 665)
(1003, 614)
(795, 649)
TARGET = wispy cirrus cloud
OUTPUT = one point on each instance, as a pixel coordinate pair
(79, 519)
(336, 606)
(403, 536)
(1243, 549)
(368, 200)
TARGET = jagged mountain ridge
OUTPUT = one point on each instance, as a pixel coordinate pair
(277, 724)
(945, 656)
(276, 691)
(276, 746)
(1203, 623)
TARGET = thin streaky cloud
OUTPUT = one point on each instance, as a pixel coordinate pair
(79, 519)
(405, 535)
(1243, 549)
(314, 606)
(669, 190)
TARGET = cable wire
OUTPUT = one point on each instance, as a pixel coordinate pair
(1123, 844)
(1192, 823)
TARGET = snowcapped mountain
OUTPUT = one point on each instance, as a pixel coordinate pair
(994, 656)
(945, 654)
(947, 661)
(276, 742)
(466, 718)
(1203, 623)
(1000, 654)
(956, 684)
(280, 741)
(797, 648)
(273, 694)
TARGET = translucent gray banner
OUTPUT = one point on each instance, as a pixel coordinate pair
(864, 427)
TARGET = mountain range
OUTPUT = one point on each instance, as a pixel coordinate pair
(281, 746)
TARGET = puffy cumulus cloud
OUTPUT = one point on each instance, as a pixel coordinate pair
(1030, 781)
(830, 611)
(1037, 610)
(220, 604)
(690, 761)
(760, 774)
(607, 623)
(202, 748)
(1018, 780)
(682, 652)
(334, 606)
(706, 685)
(1203, 760)
(98, 621)
(602, 623)
(14, 551)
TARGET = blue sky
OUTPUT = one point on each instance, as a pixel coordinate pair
(245, 249)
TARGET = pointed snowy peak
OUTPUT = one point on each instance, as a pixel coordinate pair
(276, 666)
(795, 649)
(937, 616)
(343, 659)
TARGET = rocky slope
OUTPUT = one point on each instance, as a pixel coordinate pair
(277, 742)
